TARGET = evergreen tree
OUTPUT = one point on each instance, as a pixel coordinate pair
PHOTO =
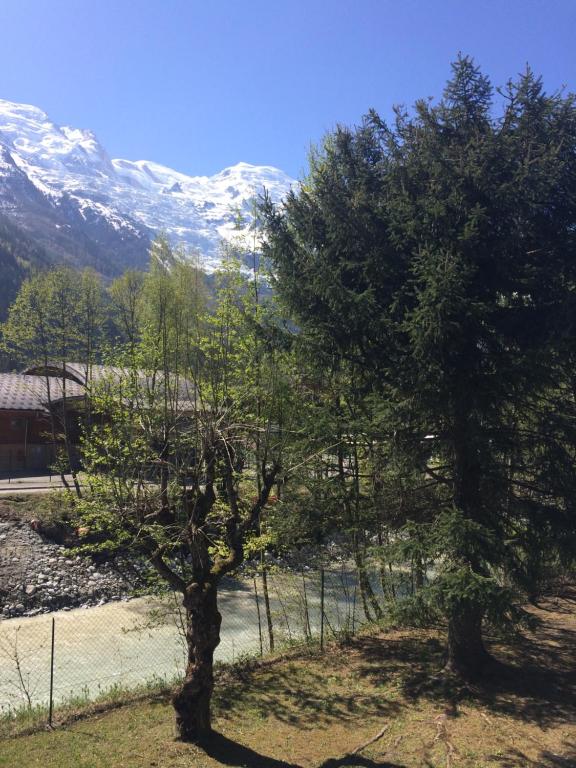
(438, 257)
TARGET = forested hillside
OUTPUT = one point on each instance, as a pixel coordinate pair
(19, 257)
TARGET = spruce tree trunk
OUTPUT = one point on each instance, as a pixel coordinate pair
(369, 600)
(467, 656)
(418, 573)
(192, 700)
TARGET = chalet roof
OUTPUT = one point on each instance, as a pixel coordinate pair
(183, 393)
(30, 393)
(78, 372)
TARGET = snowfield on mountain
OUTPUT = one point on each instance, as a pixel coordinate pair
(61, 178)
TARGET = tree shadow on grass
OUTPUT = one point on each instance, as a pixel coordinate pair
(355, 761)
(533, 679)
(300, 695)
(231, 753)
(546, 759)
(535, 682)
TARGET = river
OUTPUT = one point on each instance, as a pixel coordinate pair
(128, 643)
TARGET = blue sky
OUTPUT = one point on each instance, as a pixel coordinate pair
(202, 85)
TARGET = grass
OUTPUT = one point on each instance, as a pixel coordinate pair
(50, 507)
(25, 720)
(312, 711)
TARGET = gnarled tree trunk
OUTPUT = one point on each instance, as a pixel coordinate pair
(192, 700)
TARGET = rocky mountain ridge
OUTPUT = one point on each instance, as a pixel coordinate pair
(62, 189)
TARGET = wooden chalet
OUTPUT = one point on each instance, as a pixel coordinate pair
(42, 398)
(26, 426)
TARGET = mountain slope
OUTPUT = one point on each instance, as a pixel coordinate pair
(19, 257)
(69, 232)
(61, 187)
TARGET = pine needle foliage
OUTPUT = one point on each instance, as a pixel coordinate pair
(436, 257)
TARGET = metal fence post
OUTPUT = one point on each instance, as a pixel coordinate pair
(259, 619)
(267, 607)
(50, 710)
(307, 629)
(321, 609)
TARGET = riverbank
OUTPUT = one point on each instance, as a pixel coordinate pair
(371, 696)
(130, 643)
(38, 574)
(115, 644)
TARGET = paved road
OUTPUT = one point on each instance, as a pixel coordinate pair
(98, 647)
(30, 483)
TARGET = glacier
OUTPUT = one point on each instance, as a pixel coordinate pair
(133, 198)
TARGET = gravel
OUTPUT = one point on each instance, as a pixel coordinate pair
(37, 575)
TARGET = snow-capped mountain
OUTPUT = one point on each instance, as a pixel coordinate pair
(59, 185)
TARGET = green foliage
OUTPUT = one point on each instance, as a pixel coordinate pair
(20, 257)
(434, 260)
(187, 432)
(56, 316)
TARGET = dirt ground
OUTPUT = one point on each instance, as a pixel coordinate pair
(372, 703)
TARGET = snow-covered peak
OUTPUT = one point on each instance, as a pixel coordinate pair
(10, 109)
(242, 177)
(30, 134)
(195, 211)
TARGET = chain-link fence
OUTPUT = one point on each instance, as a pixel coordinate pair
(86, 652)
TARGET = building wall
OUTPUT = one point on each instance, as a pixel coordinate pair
(25, 442)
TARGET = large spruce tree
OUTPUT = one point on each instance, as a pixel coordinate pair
(438, 257)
